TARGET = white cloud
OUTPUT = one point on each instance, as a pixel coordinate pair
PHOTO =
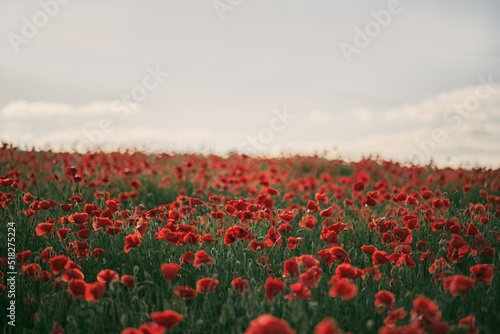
(25, 109)
(411, 132)
(22, 109)
(478, 99)
(420, 132)
(363, 115)
(93, 125)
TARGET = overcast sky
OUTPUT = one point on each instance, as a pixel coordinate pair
(409, 80)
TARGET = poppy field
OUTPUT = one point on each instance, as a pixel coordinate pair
(185, 243)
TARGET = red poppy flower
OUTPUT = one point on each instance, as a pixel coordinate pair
(403, 234)
(72, 274)
(79, 218)
(286, 216)
(307, 261)
(469, 322)
(77, 288)
(128, 281)
(195, 201)
(426, 194)
(308, 222)
(370, 201)
(170, 270)
(57, 329)
(439, 327)
(458, 284)
(412, 328)
(345, 270)
(379, 257)
(184, 292)
(326, 212)
(47, 204)
(267, 324)
(312, 206)
(187, 258)
(299, 291)
(151, 328)
(271, 191)
(405, 260)
(191, 238)
(483, 272)
(206, 284)
(101, 222)
(107, 276)
(202, 257)
(58, 263)
(273, 287)
(327, 326)
(273, 238)
(358, 186)
(425, 309)
(27, 198)
(31, 269)
(257, 246)
(457, 249)
(208, 238)
(94, 291)
(62, 233)
(439, 268)
(83, 233)
(46, 254)
(344, 289)
(311, 277)
(81, 249)
(394, 316)
(383, 300)
(240, 285)
(245, 215)
(368, 249)
(73, 265)
(329, 236)
(217, 214)
(291, 268)
(472, 230)
(263, 261)
(97, 253)
(230, 209)
(167, 319)
(372, 272)
(230, 236)
(427, 255)
(339, 254)
(131, 241)
(326, 256)
(44, 229)
(113, 204)
(285, 228)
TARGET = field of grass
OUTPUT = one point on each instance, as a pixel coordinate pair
(106, 242)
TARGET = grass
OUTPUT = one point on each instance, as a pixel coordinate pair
(40, 304)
